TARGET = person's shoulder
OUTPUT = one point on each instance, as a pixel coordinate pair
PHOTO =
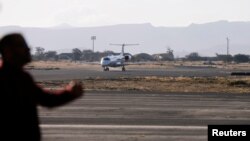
(1, 74)
(26, 74)
(1, 70)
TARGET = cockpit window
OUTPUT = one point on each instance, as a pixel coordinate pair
(106, 59)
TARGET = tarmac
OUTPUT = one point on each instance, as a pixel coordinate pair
(140, 116)
(66, 74)
(136, 116)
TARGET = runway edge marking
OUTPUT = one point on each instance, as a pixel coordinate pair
(121, 126)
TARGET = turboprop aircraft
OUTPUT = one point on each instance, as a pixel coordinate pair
(116, 60)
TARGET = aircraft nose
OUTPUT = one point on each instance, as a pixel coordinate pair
(104, 62)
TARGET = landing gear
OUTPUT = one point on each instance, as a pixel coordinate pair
(123, 68)
(105, 69)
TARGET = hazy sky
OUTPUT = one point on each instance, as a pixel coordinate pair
(44, 13)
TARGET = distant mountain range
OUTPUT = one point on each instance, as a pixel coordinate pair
(206, 39)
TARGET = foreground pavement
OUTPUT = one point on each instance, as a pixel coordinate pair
(126, 116)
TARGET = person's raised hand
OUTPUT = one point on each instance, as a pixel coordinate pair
(75, 88)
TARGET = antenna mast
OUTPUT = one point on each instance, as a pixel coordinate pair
(227, 49)
(93, 38)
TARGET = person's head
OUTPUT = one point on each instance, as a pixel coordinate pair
(14, 50)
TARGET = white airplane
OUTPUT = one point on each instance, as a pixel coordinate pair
(116, 60)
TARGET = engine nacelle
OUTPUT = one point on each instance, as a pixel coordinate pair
(127, 57)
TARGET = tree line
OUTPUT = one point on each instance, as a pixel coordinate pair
(88, 55)
(238, 58)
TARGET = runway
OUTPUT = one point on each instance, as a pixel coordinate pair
(66, 74)
(136, 116)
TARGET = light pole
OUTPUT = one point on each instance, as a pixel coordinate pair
(227, 50)
(93, 38)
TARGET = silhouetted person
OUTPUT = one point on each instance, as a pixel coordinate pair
(20, 95)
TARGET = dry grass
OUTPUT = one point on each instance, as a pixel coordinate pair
(164, 84)
(141, 65)
(61, 65)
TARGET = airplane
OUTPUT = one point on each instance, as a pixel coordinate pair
(116, 60)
